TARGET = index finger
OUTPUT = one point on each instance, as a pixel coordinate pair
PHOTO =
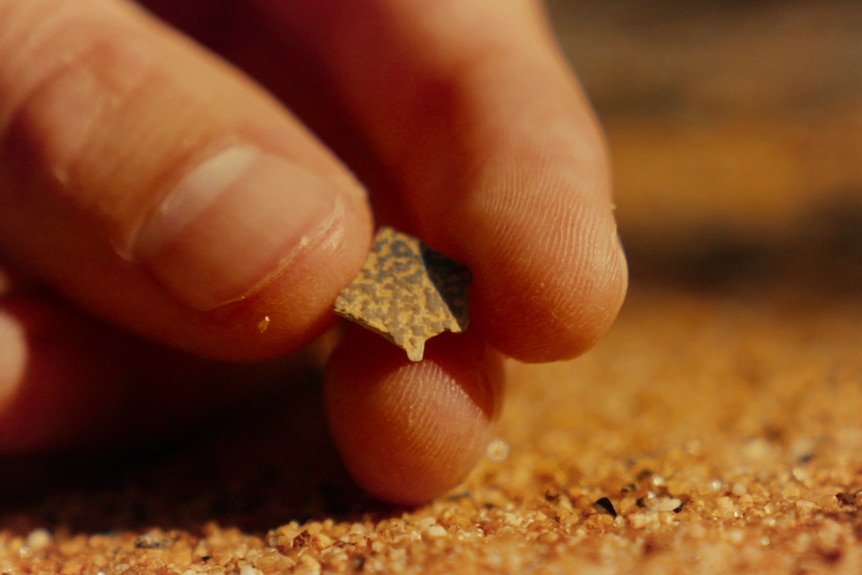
(159, 188)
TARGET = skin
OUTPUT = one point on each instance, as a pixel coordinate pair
(461, 120)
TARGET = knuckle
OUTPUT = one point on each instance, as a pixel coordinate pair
(77, 106)
(71, 72)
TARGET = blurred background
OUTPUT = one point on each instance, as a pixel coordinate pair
(735, 127)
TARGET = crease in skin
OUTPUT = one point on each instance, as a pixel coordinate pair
(58, 108)
(54, 37)
(25, 27)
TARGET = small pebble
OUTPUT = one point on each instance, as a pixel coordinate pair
(435, 532)
(39, 539)
(497, 450)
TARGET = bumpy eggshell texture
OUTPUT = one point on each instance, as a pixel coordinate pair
(407, 292)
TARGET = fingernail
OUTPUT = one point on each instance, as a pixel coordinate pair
(233, 224)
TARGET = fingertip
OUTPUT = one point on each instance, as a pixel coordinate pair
(557, 306)
(409, 431)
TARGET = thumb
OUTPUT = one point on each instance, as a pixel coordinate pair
(157, 187)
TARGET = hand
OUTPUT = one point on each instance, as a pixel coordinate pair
(160, 197)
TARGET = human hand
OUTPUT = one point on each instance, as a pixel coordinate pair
(154, 187)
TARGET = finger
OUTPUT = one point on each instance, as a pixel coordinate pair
(495, 153)
(409, 431)
(159, 188)
(68, 381)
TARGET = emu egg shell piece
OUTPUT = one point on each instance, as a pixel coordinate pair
(407, 292)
